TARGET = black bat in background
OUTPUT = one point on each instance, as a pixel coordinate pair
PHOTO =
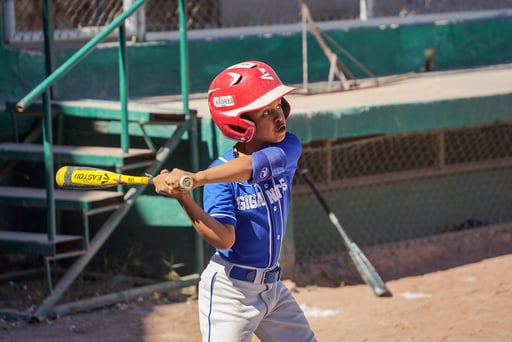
(363, 265)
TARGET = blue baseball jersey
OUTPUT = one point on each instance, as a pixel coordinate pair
(257, 208)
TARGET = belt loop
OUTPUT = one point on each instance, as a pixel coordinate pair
(259, 277)
(279, 271)
(228, 266)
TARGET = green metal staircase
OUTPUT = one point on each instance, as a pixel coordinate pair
(53, 243)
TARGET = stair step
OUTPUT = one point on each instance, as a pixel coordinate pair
(64, 199)
(108, 110)
(38, 244)
(79, 155)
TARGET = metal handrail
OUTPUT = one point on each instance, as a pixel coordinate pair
(44, 89)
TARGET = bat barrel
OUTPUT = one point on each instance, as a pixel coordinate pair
(82, 177)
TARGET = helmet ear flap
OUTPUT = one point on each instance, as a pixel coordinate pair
(242, 130)
(235, 128)
(285, 105)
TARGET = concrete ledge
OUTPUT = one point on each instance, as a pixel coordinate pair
(401, 104)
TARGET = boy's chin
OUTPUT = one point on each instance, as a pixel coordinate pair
(280, 137)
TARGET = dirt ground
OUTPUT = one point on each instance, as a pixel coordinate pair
(472, 302)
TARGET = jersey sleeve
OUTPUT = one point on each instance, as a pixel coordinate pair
(276, 159)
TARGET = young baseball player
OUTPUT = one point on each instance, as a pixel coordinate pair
(247, 192)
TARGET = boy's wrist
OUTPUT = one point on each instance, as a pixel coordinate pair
(199, 179)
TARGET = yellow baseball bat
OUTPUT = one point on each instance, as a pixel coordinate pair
(87, 178)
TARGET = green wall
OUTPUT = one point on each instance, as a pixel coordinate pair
(388, 49)
(154, 67)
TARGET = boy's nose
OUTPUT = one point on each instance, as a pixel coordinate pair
(279, 115)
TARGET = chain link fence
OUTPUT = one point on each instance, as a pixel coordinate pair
(79, 19)
(387, 190)
(390, 189)
(72, 19)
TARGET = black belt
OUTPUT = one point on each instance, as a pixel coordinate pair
(256, 276)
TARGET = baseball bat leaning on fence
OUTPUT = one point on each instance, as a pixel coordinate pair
(88, 178)
(363, 265)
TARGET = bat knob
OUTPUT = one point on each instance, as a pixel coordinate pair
(186, 182)
(60, 176)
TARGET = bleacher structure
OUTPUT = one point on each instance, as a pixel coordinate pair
(51, 241)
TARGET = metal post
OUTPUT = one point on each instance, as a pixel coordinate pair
(304, 48)
(123, 89)
(365, 9)
(9, 20)
(136, 24)
(193, 131)
(49, 46)
(47, 121)
(48, 166)
(184, 56)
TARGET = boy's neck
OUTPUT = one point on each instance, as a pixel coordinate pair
(244, 149)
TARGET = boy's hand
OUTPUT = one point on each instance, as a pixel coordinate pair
(170, 183)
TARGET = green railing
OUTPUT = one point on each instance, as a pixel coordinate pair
(45, 89)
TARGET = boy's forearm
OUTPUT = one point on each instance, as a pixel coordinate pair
(235, 170)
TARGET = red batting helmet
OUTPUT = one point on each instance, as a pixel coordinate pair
(243, 88)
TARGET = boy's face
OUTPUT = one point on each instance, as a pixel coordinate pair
(270, 123)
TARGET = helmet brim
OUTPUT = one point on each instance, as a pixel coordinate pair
(263, 101)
